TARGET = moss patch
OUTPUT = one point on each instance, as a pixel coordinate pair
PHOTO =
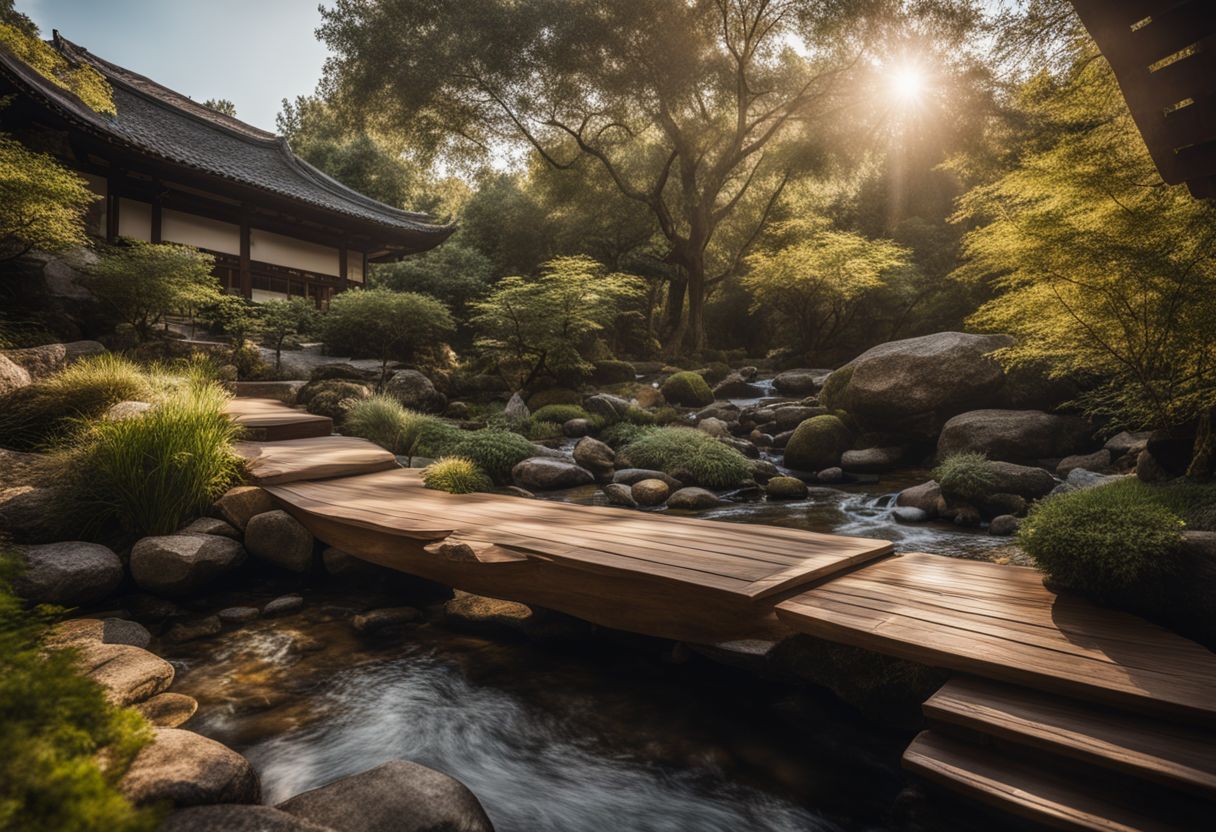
(687, 389)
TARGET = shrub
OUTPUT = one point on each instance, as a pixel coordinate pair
(36, 415)
(63, 746)
(1102, 541)
(687, 389)
(494, 451)
(559, 413)
(455, 475)
(639, 415)
(967, 476)
(436, 439)
(715, 372)
(385, 325)
(692, 453)
(613, 372)
(817, 443)
(148, 474)
(334, 397)
(554, 395)
(385, 421)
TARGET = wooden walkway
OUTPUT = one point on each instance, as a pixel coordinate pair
(1070, 715)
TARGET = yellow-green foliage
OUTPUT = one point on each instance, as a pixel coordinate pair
(36, 415)
(622, 433)
(1105, 540)
(148, 474)
(967, 476)
(385, 421)
(689, 454)
(42, 203)
(82, 80)
(1101, 268)
(494, 451)
(817, 443)
(63, 746)
(688, 389)
(140, 283)
(456, 475)
(559, 413)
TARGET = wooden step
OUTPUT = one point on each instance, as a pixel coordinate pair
(1000, 622)
(314, 458)
(268, 420)
(1168, 754)
(1057, 797)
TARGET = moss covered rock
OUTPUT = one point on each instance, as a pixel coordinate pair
(332, 397)
(817, 443)
(687, 389)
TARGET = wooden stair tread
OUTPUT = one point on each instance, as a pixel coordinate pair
(1169, 754)
(1059, 798)
(748, 562)
(269, 420)
(312, 458)
(1000, 622)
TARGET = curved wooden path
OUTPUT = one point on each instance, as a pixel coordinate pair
(1066, 714)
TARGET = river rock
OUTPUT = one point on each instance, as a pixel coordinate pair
(574, 428)
(12, 375)
(193, 630)
(995, 505)
(871, 460)
(908, 514)
(785, 488)
(540, 473)
(629, 476)
(124, 631)
(30, 513)
(415, 391)
(467, 608)
(48, 359)
(279, 538)
(182, 564)
(1098, 462)
(182, 768)
(240, 504)
(397, 796)
(1080, 479)
(714, 426)
(122, 411)
(649, 492)
(234, 616)
(1024, 480)
(236, 818)
(283, 605)
(596, 456)
(735, 386)
(817, 443)
(606, 405)
(764, 470)
(1128, 443)
(790, 416)
(376, 621)
(829, 476)
(168, 710)
(693, 499)
(128, 674)
(925, 497)
(70, 573)
(748, 449)
(211, 525)
(912, 386)
(619, 494)
(1005, 525)
(1014, 435)
(800, 382)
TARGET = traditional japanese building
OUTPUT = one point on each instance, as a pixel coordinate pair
(169, 169)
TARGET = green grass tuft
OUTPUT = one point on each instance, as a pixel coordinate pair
(456, 475)
(559, 413)
(966, 476)
(494, 451)
(385, 421)
(687, 453)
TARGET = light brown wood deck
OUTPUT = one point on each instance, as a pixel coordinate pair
(269, 420)
(313, 458)
(1002, 623)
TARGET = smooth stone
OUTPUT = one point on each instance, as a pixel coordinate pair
(1001, 503)
(1026, 481)
(619, 494)
(168, 710)
(714, 427)
(575, 428)
(871, 460)
(397, 796)
(236, 818)
(230, 616)
(12, 375)
(1097, 462)
(182, 768)
(128, 674)
(1014, 435)
(785, 488)
(801, 381)
(240, 504)
(629, 476)
(1128, 443)
(283, 605)
(194, 630)
(468, 608)
(1005, 525)
(1079, 478)
(123, 631)
(211, 525)
(830, 475)
(924, 497)
(596, 456)
(790, 416)
(181, 564)
(48, 359)
(607, 406)
(693, 499)
(279, 538)
(763, 470)
(743, 446)
(540, 473)
(383, 619)
(415, 391)
(70, 573)
(649, 492)
(737, 386)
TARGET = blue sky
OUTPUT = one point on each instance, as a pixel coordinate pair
(252, 52)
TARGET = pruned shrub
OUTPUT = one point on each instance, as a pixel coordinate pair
(36, 415)
(1102, 541)
(456, 475)
(385, 421)
(966, 476)
(63, 745)
(687, 389)
(146, 475)
(559, 413)
(692, 453)
(494, 451)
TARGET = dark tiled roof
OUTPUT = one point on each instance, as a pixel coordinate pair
(165, 124)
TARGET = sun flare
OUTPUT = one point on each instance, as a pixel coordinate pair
(907, 84)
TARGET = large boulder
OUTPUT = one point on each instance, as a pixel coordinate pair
(234, 817)
(817, 443)
(800, 382)
(181, 564)
(415, 391)
(69, 573)
(181, 768)
(913, 386)
(540, 473)
(279, 538)
(128, 674)
(1026, 481)
(12, 375)
(241, 503)
(397, 796)
(49, 359)
(596, 456)
(606, 405)
(1015, 435)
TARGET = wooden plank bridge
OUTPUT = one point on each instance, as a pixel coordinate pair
(1062, 712)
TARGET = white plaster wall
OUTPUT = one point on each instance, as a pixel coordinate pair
(267, 247)
(193, 230)
(134, 220)
(354, 266)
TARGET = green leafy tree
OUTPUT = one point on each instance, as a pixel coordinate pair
(453, 273)
(818, 283)
(42, 203)
(142, 282)
(221, 105)
(1102, 269)
(548, 324)
(387, 325)
(234, 316)
(283, 319)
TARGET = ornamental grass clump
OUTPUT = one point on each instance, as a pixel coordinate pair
(1107, 542)
(967, 476)
(385, 421)
(63, 745)
(148, 474)
(494, 451)
(42, 413)
(687, 453)
(456, 475)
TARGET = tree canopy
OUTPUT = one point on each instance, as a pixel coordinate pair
(142, 282)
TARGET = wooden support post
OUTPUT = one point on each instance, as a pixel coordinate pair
(112, 209)
(246, 274)
(156, 220)
(343, 268)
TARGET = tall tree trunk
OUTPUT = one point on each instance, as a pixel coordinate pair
(1203, 458)
(674, 321)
